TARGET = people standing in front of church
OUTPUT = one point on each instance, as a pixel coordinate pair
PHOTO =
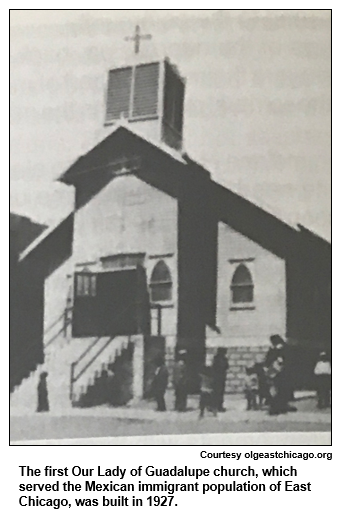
(263, 385)
(275, 350)
(180, 382)
(206, 400)
(42, 393)
(279, 348)
(251, 388)
(159, 384)
(219, 368)
(278, 404)
(279, 388)
(322, 372)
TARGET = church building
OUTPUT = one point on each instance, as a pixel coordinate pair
(157, 256)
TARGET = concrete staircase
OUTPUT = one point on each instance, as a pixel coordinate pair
(102, 352)
(58, 359)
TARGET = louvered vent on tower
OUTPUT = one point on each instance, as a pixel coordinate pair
(146, 89)
(119, 92)
(151, 96)
(133, 92)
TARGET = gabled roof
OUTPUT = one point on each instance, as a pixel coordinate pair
(103, 149)
(177, 175)
(51, 248)
(44, 234)
(312, 236)
(24, 230)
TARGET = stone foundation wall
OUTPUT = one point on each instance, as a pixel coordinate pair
(239, 357)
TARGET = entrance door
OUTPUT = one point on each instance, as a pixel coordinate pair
(111, 303)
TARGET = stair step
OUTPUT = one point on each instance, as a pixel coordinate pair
(58, 359)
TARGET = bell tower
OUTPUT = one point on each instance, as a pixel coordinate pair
(150, 96)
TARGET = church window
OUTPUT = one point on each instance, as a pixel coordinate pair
(86, 284)
(161, 283)
(242, 286)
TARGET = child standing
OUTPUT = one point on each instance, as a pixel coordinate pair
(251, 388)
(263, 385)
(206, 392)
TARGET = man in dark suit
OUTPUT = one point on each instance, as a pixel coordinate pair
(160, 382)
(180, 382)
(219, 369)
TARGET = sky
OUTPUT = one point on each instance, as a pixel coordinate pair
(257, 107)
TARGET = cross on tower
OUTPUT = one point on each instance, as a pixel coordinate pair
(137, 38)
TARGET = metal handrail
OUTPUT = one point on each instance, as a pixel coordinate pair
(88, 349)
(52, 325)
(73, 379)
(92, 359)
(62, 330)
(98, 338)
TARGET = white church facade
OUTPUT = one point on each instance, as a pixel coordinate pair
(157, 256)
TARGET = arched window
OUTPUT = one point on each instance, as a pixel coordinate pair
(161, 283)
(242, 285)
